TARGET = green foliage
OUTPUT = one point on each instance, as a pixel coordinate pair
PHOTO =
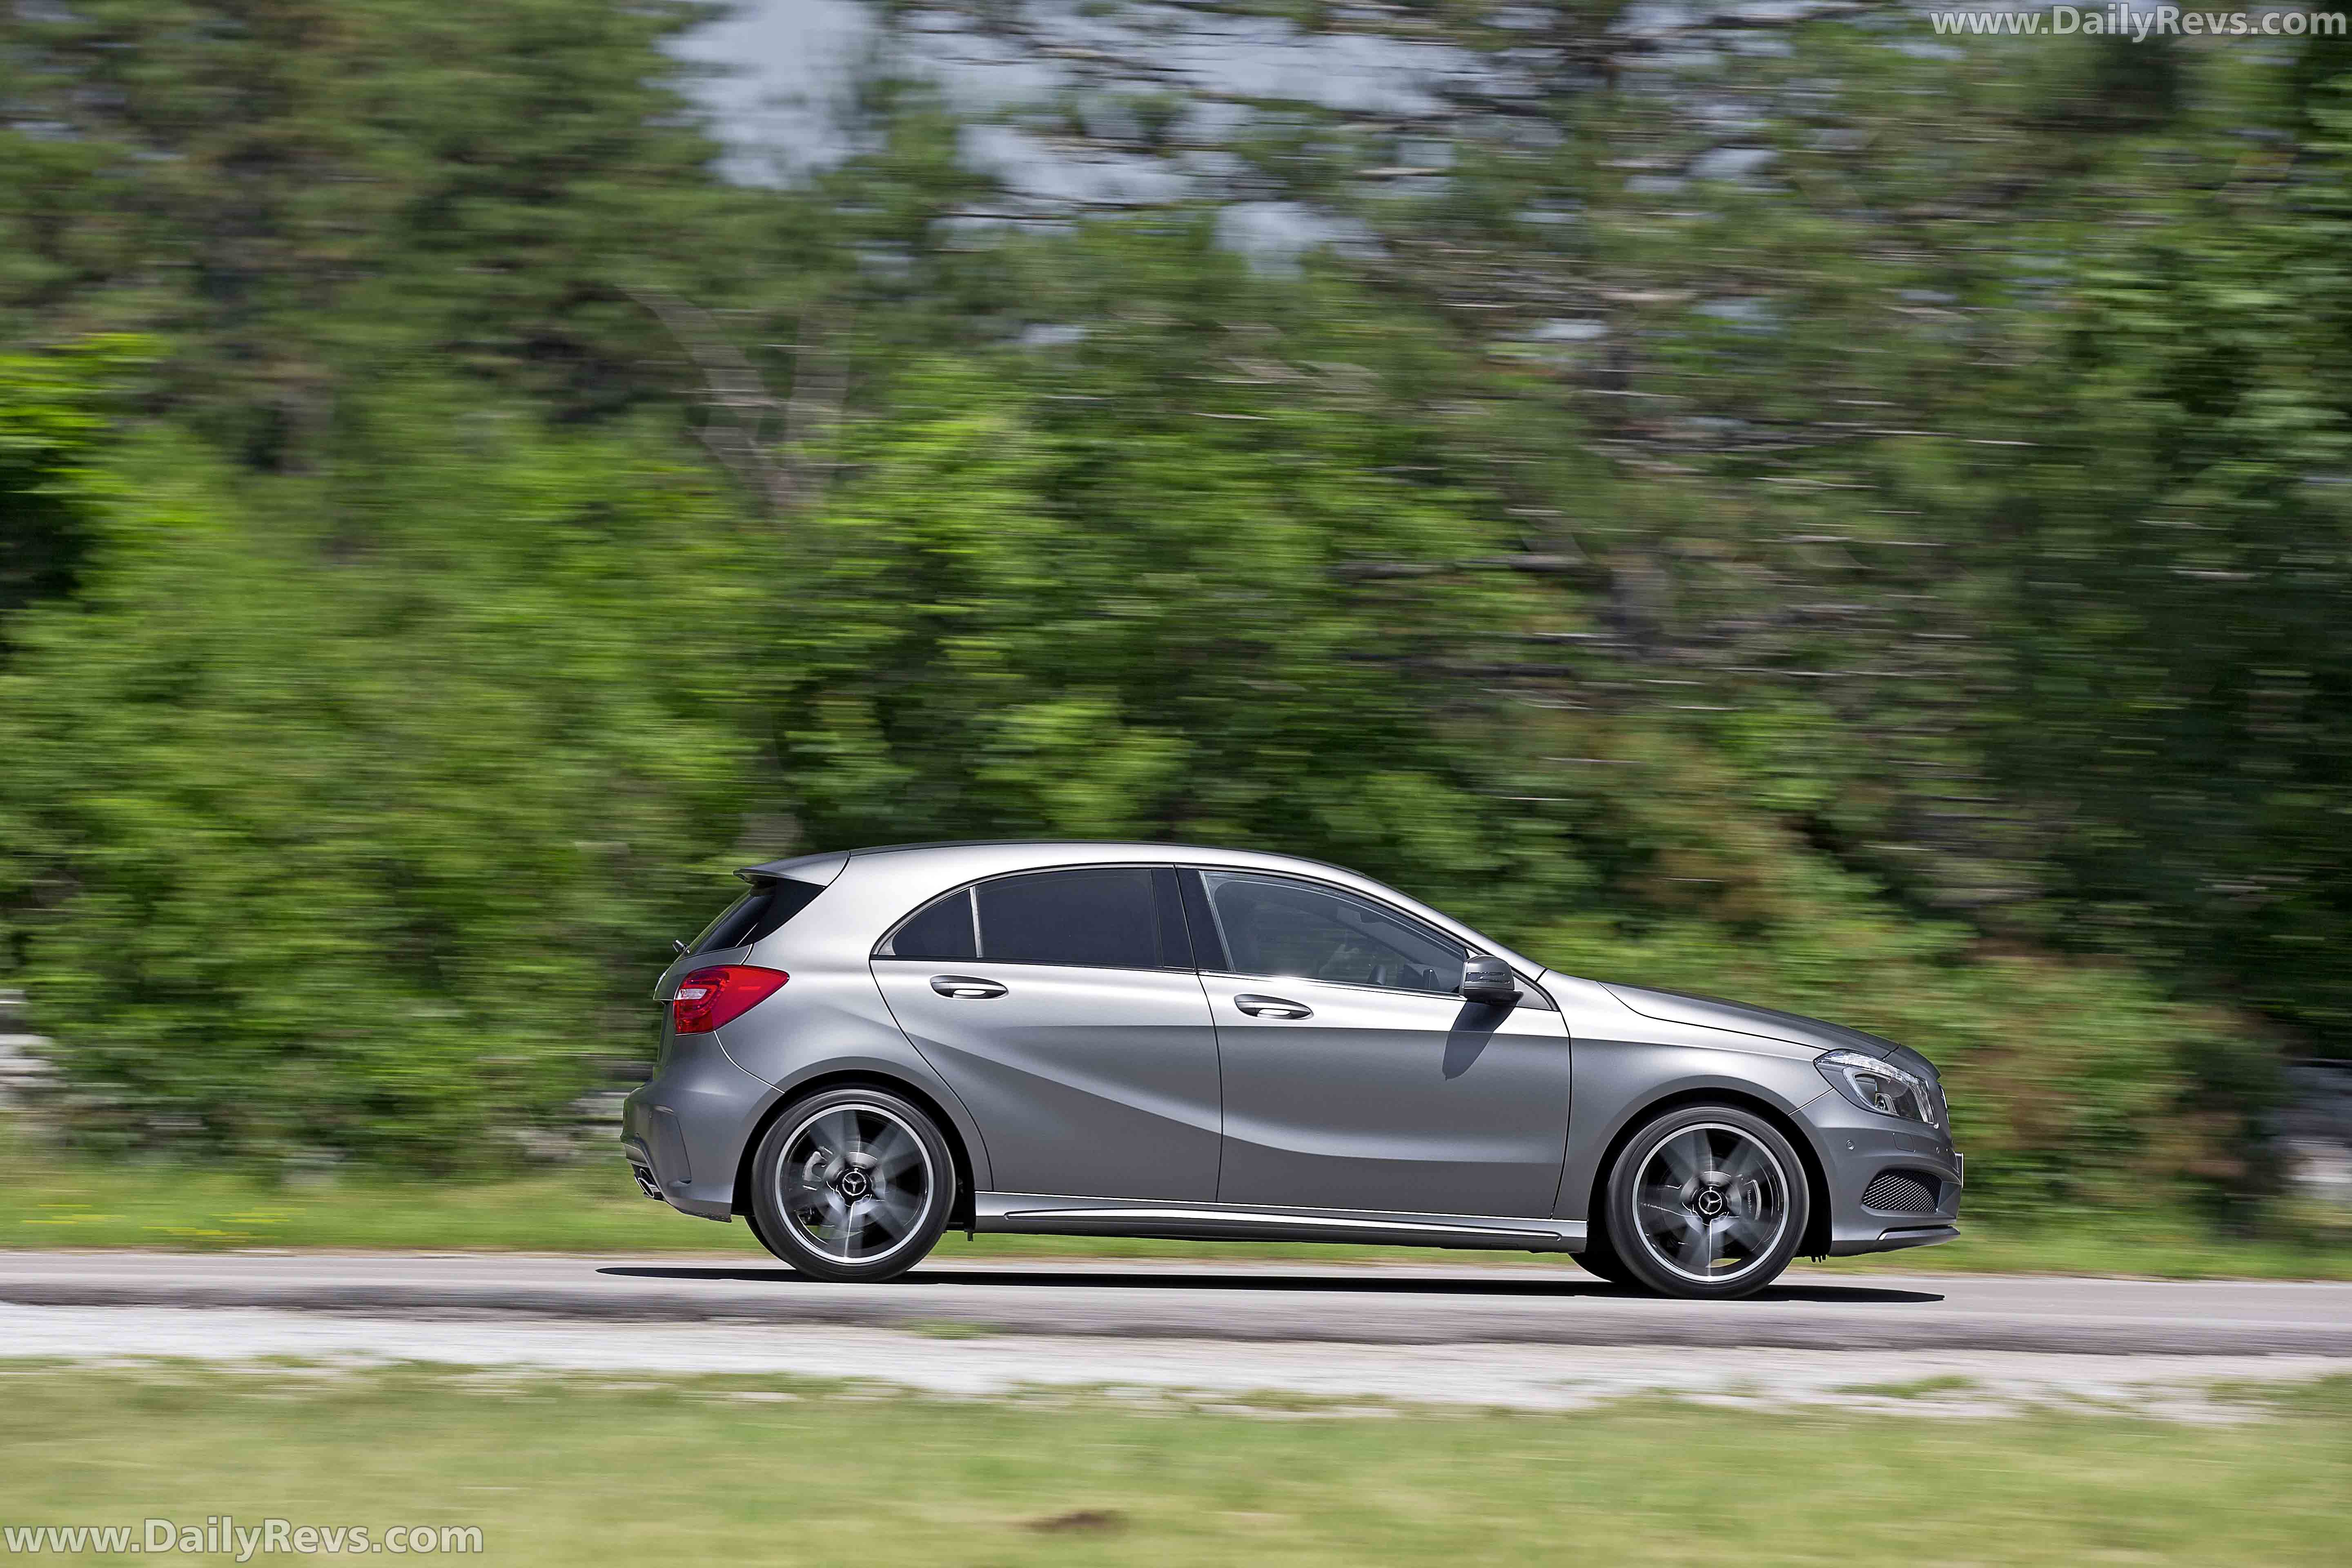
(336, 813)
(286, 190)
(54, 421)
(2182, 542)
(1085, 612)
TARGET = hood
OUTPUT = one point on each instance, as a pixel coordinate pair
(1714, 1012)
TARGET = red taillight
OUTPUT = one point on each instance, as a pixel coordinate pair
(710, 998)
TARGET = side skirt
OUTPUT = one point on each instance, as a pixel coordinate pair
(1043, 1214)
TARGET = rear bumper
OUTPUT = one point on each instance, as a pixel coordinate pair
(641, 1168)
(1919, 1205)
(682, 1132)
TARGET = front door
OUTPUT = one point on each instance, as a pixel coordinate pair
(1354, 1076)
(1062, 1007)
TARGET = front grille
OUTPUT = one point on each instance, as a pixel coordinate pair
(1900, 1191)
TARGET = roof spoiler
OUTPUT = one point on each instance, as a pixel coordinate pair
(819, 869)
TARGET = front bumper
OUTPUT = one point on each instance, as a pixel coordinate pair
(1892, 1183)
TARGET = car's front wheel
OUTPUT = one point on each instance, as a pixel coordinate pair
(1600, 1257)
(1707, 1200)
(852, 1184)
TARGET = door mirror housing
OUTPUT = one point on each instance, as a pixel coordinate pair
(1489, 981)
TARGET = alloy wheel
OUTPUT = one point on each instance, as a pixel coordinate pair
(855, 1183)
(1710, 1203)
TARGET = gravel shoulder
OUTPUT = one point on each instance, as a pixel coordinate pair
(1286, 1379)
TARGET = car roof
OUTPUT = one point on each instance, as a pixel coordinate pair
(1051, 851)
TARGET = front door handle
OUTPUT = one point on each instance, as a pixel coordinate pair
(965, 987)
(1272, 1006)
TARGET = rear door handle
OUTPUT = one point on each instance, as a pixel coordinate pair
(1272, 1006)
(965, 987)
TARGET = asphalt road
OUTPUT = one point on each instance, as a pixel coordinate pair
(1279, 1301)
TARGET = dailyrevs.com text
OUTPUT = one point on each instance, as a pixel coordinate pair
(220, 1535)
(2138, 23)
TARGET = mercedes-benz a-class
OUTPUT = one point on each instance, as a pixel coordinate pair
(870, 1046)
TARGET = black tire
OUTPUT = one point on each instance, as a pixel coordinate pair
(809, 1210)
(1667, 1231)
(751, 1219)
(1600, 1257)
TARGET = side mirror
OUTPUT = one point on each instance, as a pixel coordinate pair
(1490, 981)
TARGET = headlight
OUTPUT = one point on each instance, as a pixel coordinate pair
(1875, 1084)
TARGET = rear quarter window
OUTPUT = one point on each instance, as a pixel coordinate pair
(942, 930)
(757, 915)
(1099, 918)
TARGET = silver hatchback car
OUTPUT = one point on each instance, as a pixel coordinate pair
(1157, 1040)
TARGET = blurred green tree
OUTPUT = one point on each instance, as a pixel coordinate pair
(338, 814)
(288, 191)
(2178, 550)
(56, 418)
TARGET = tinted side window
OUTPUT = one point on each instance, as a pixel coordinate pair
(758, 914)
(943, 929)
(1107, 917)
(1273, 926)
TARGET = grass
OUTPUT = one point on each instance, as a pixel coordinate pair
(563, 1470)
(71, 1201)
(1917, 1388)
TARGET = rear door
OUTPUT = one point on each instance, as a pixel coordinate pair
(1354, 1075)
(1063, 1008)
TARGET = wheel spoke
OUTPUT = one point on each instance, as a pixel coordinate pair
(837, 1133)
(1744, 1161)
(1668, 1216)
(1698, 1245)
(1683, 1160)
(893, 1151)
(1661, 1209)
(896, 1215)
(1749, 1233)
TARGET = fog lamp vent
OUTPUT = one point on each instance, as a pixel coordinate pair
(1900, 1191)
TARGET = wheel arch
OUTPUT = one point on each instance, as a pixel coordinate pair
(959, 1213)
(1816, 1239)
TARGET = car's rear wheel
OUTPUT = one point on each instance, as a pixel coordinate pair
(760, 1232)
(1707, 1200)
(852, 1184)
